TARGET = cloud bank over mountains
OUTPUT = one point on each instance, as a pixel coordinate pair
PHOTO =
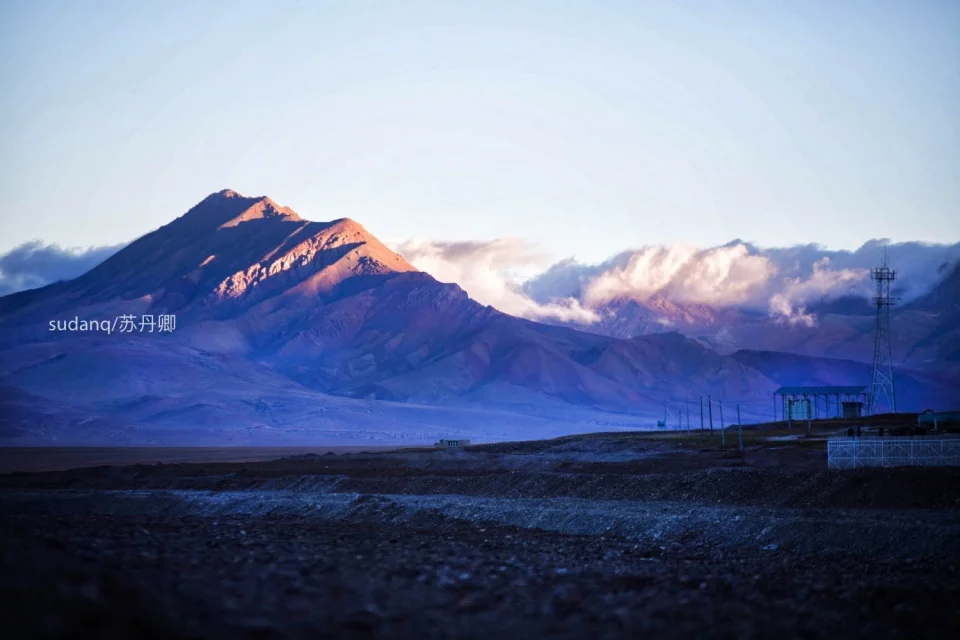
(517, 277)
(35, 264)
(783, 281)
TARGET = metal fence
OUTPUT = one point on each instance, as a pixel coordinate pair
(851, 453)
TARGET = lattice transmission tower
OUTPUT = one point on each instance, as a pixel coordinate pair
(881, 385)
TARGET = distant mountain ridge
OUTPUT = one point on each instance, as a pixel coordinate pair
(842, 327)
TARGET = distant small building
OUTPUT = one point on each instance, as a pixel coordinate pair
(936, 420)
(452, 443)
(813, 403)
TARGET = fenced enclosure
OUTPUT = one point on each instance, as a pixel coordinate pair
(851, 453)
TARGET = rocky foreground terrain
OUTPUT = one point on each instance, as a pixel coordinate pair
(602, 536)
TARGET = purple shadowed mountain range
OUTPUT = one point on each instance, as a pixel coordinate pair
(288, 330)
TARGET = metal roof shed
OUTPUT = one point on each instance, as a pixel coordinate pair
(841, 394)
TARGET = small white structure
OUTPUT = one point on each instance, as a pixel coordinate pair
(452, 443)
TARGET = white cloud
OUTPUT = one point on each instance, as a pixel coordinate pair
(490, 272)
(35, 264)
(720, 276)
(825, 281)
(782, 310)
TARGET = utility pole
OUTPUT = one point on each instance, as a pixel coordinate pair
(723, 437)
(680, 419)
(710, 410)
(701, 413)
(740, 427)
(687, 400)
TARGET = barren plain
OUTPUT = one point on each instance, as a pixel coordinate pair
(603, 536)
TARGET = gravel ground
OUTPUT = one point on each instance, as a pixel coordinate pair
(866, 554)
(240, 577)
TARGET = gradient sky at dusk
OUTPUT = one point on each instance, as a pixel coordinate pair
(586, 127)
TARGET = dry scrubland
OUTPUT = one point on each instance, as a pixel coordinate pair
(606, 536)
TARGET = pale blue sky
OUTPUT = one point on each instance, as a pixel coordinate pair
(587, 127)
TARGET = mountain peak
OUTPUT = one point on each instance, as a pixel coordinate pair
(234, 249)
(228, 194)
(231, 247)
(228, 208)
(263, 207)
